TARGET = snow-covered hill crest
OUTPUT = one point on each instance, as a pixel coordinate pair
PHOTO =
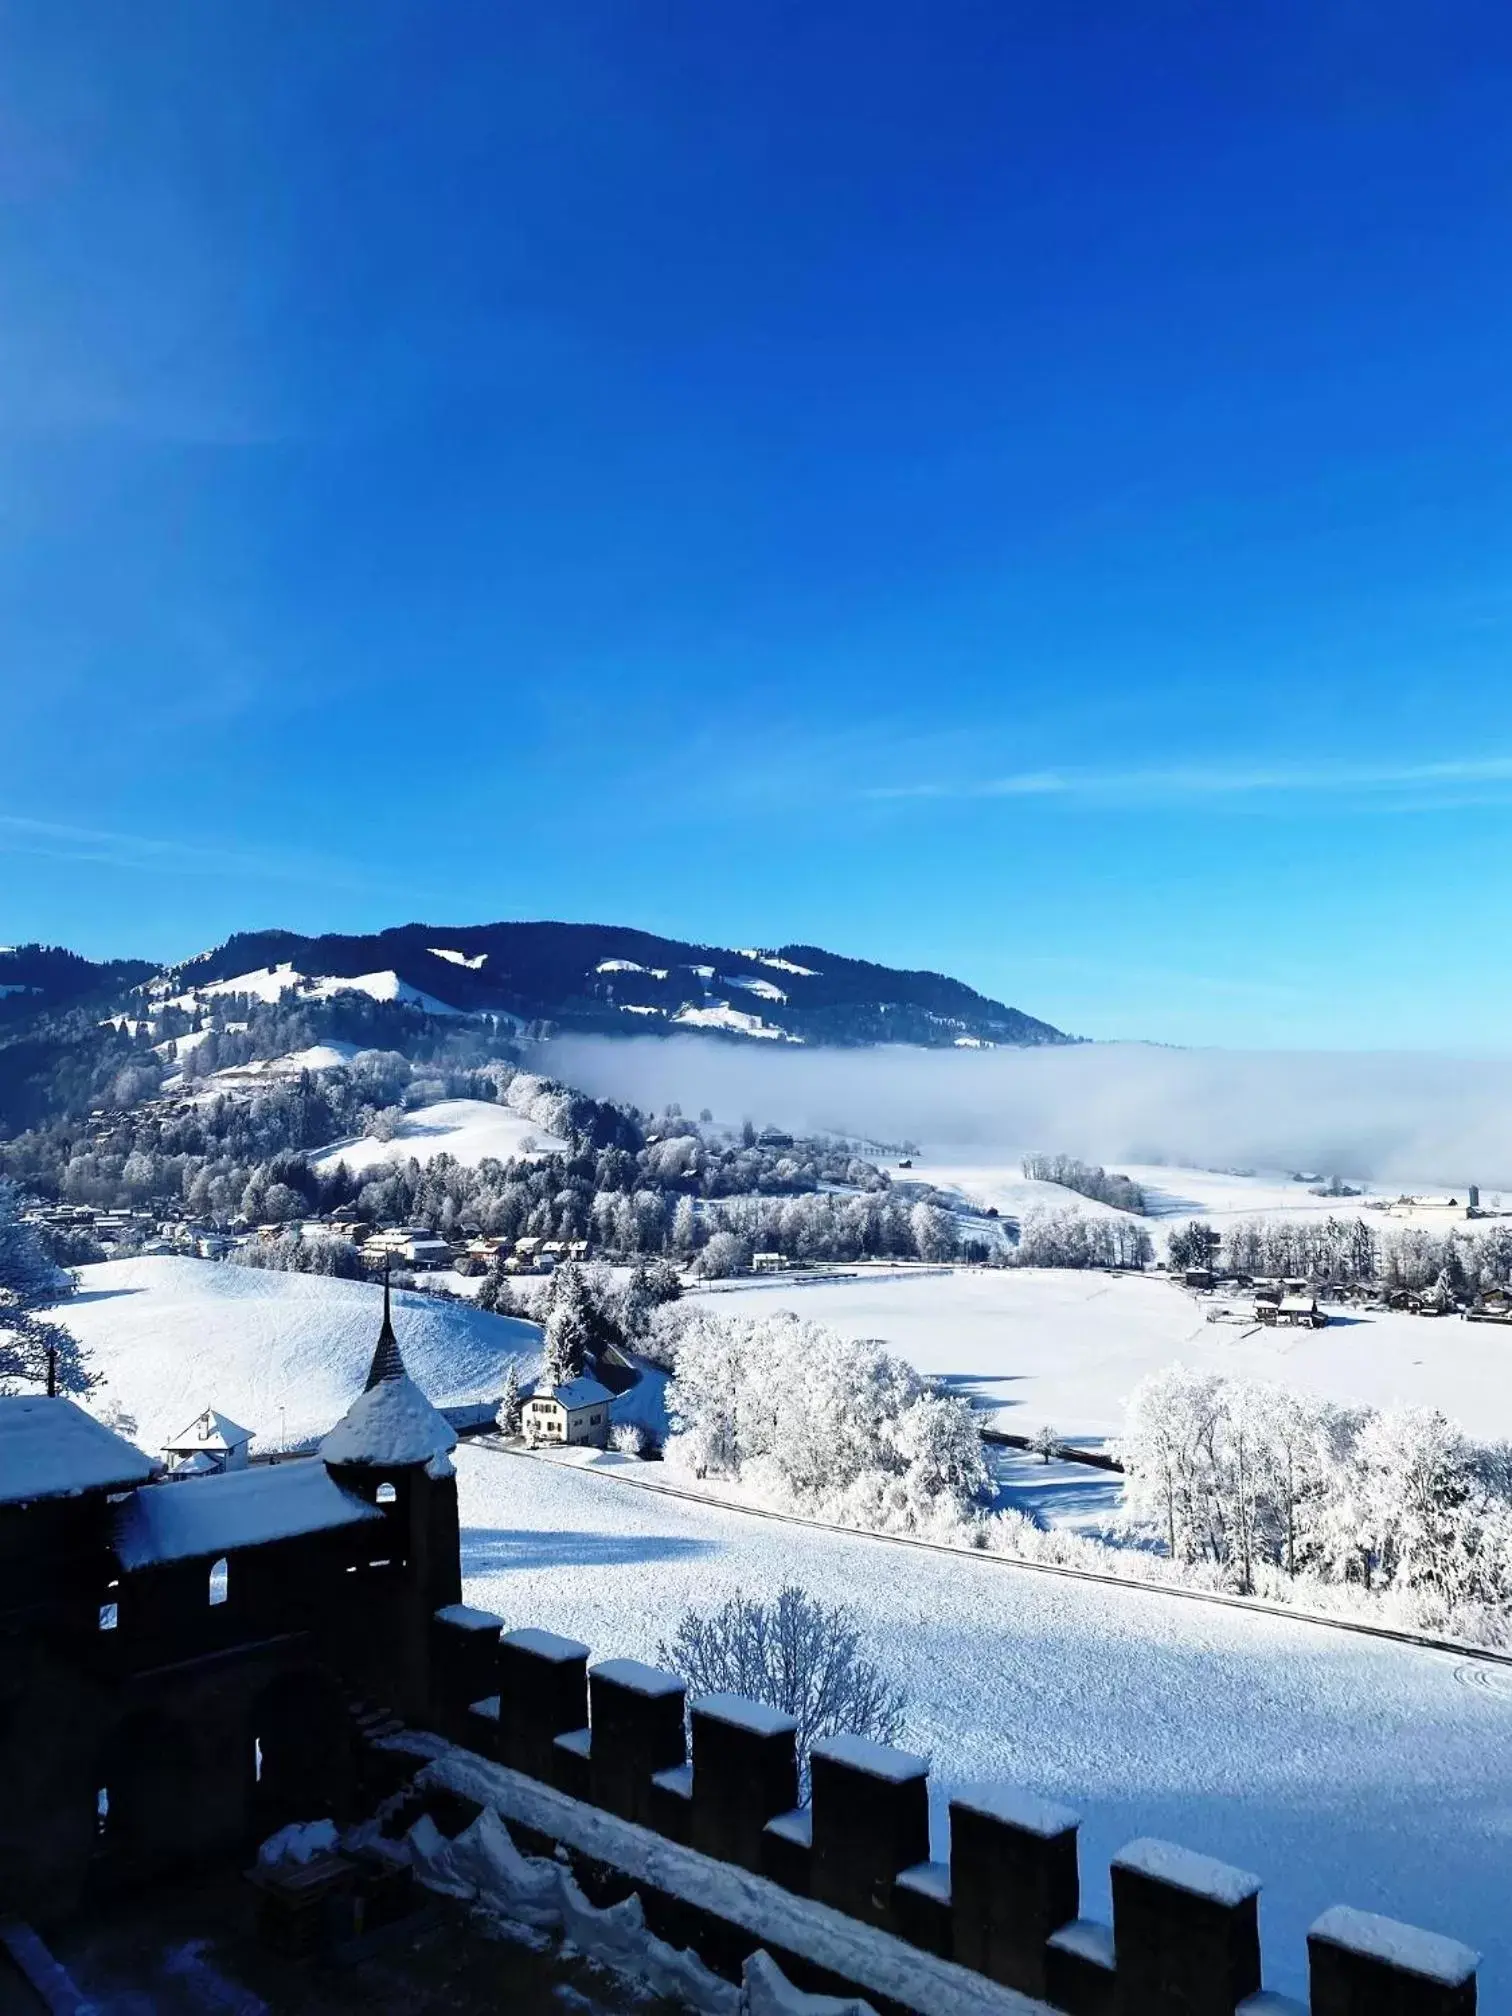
(611, 979)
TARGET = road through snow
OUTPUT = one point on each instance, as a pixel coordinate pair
(1341, 1769)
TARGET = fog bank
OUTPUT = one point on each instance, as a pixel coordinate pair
(1409, 1119)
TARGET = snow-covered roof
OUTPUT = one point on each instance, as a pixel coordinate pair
(206, 1516)
(200, 1464)
(391, 1423)
(572, 1393)
(210, 1430)
(53, 1449)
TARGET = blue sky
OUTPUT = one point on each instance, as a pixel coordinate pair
(1017, 488)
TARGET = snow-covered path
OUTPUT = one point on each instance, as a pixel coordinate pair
(1341, 1769)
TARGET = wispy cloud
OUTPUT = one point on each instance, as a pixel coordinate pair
(1422, 783)
(49, 840)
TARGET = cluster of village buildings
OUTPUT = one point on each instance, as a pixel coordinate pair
(412, 1247)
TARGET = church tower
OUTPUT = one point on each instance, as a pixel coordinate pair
(393, 1448)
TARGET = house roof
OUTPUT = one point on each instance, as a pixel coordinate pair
(53, 1449)
(200, 1517)
(210, 1430)
(572, 1393)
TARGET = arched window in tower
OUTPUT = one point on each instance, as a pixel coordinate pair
(220, 1581)
(385, 1494)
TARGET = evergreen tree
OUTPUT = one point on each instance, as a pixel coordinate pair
(509, 1406)
(568, 1332)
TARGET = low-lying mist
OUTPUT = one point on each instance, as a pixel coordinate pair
(1409, 1119)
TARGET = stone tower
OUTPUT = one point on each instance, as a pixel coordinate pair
(393, 1448)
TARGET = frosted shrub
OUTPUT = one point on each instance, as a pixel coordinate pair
(628, 1437)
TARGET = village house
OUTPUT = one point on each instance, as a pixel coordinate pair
(1296, 1310)
(574, 1412)
(406, 1246)
(212, 1442)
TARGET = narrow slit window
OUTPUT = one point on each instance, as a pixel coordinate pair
(102, 1809)
(220, 1581)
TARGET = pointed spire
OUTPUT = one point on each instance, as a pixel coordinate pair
(387, 1363)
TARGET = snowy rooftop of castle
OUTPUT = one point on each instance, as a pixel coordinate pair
(391, 1423)
(206, 1516)
(53, 1449)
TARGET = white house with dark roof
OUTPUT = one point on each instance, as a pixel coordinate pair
(577, 1411)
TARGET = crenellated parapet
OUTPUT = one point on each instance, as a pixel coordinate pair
(629, 1760)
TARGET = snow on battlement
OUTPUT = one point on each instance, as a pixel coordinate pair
(1429, 1955)
(1165, 1862)
(638, 1678)
(851, 1882)
(859, 1753)
(742, 1714)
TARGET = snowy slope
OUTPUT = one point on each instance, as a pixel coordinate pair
(271, 983)
(172, 1337)
(1340, 1768)
(1040, 1345)
(470, 1129)
(1175, 1194)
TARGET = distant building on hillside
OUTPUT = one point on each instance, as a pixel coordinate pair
(575, 1412)
(406, 1246)
(212, 1442)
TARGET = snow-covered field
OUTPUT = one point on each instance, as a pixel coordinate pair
(472, 1130)
(1340, 1768)
(1037, 1346)
(1176, 1194)
(283, 1354)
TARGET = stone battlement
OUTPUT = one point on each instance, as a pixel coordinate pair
(612, 1744)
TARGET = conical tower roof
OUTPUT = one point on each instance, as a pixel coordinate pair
(387, 1363)
(390, 1421)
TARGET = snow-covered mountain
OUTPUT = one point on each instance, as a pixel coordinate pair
(612, 979)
